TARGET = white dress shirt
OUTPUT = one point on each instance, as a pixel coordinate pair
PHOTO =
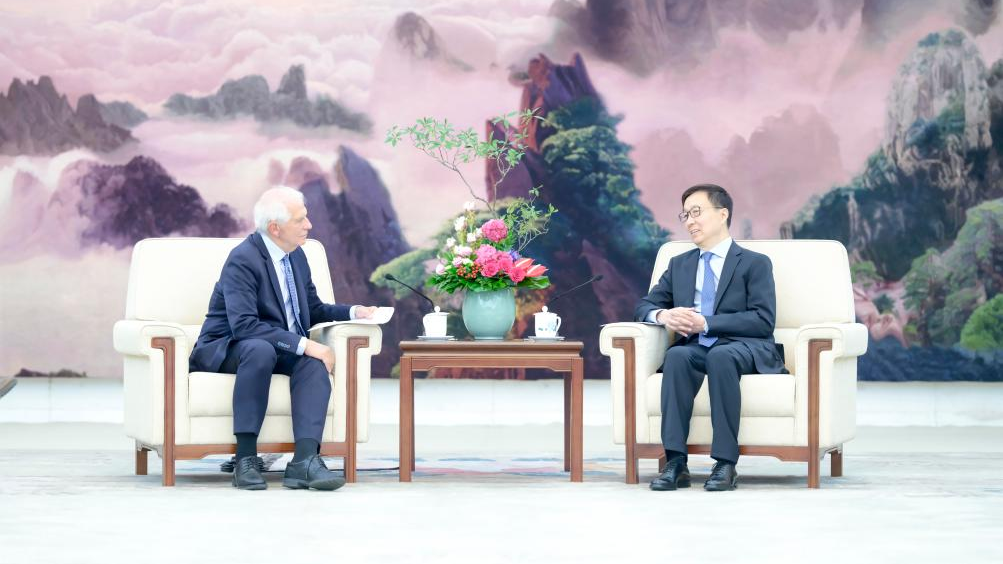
(277, 254)
(718, 252)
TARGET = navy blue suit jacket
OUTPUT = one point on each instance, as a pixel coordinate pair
(745, 304)
(246, 303)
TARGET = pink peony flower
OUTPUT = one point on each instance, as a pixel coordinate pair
(440, 269)
(486, 253)
(516, 274)
(504, 262)
(495, 230)
(489, 268)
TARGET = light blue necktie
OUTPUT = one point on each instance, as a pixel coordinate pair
(287, 269)
(707, 291)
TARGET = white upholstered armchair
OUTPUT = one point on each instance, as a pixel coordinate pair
(186, 415)
(799, 416)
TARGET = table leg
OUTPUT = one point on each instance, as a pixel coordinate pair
(406, 438)
(577, 373)
(567, 422)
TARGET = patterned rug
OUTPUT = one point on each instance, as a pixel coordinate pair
(452, 466)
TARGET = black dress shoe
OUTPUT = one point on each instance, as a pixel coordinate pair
(311, 473)
(676, 475)
(247, 474)
(723, 478)
(230, 464)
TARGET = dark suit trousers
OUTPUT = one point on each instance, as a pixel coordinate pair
(683, 374)
(254, 361)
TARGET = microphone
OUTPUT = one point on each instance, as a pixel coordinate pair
(595, 278)
(391, 277)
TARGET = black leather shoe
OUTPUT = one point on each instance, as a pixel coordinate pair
(676, 475)
(311, 473)
(723, 478)
(230, 464)
(247, 474)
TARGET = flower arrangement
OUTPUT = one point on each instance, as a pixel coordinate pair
(483, 251)
(485, 255)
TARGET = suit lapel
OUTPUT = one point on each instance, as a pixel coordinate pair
(730, 264)
(270, 270)
(688, 276)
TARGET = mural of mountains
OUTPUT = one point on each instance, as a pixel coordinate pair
(939, 158)
(35, 119)
(116, 205)
(251, 96)
(415, 38)
(644, 35)
(787, 156)
(122, 114)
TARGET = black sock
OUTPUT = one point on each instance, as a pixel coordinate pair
(305, 448)
(670, 454)
(247, 445)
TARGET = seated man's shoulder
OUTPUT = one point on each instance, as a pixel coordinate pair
(756, 258)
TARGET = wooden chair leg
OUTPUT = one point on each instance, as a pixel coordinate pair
(168, 460)
(350, 475)
(632, 463)
(836, 463)
(814, 471)
(142, 456)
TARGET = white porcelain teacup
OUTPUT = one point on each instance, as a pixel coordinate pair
(435, 323)
(547, 323)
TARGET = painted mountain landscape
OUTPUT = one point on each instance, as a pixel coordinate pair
(877, 123)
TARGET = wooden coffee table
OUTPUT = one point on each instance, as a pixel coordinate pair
(559, 356)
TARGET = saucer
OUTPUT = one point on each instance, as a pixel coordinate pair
(554, 338)
(427, 338)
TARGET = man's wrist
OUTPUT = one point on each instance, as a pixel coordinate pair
(705, 327)
(653, 315)
(351, 312)
(301, 348)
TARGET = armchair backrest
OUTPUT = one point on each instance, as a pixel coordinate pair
(812, 278)
(172, 278)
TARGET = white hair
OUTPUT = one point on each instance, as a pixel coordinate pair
(273, 205)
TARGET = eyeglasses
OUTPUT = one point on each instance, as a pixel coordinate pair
(694, 213)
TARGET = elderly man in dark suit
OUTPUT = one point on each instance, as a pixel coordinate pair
(720, 299)
(259, 315)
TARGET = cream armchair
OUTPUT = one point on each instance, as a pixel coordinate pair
(186, 415)
(799, 416)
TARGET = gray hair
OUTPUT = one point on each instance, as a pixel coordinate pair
(273, 205)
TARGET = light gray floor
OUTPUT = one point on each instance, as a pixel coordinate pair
(67, 494)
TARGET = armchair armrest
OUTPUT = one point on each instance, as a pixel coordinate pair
(848, 339)
(133, 337)
(636, 350)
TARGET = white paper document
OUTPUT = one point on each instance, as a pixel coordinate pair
(380, 316)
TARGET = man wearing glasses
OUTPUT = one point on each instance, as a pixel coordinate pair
(720, 300)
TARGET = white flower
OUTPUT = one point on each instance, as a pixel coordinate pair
(479, 233)
(440, 269)
(467, 262)
(463, 250)
(469, 205)
(471, 237)
(459, 223)
(457, 261)
(450, 243)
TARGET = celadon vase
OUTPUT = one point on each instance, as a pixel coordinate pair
(489, 315)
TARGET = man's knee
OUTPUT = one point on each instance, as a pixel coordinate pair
(677, 357)
(721, 360)
(314, 369)
(258, 351)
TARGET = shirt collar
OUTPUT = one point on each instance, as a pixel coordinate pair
(721, 249)
(273, 250)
